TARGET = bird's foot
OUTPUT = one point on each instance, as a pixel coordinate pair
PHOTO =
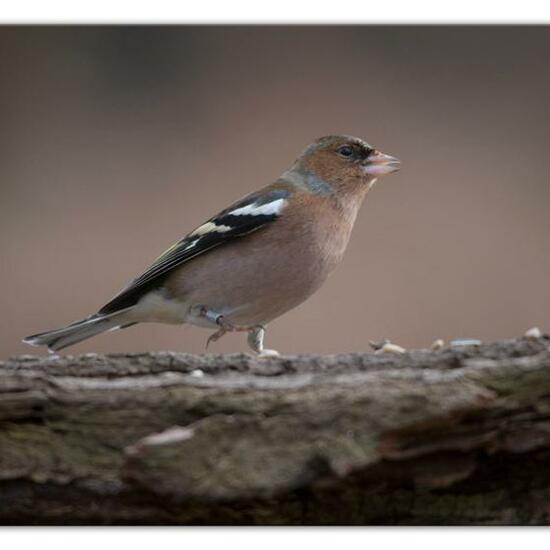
(256, 333)
(256, 342)
(265, 353)
(215, 337)
(227, 326)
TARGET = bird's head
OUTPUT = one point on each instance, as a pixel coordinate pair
(345, 162)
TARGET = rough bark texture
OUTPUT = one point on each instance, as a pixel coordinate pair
(458, 436)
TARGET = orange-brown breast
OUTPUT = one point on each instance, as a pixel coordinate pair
(256, 278)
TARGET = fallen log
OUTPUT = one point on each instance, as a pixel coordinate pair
(455, 436)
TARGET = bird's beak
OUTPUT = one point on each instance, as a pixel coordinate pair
(380, 164)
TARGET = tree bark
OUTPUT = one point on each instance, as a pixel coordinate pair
(457, 436)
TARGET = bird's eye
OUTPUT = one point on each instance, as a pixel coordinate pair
(345, 151)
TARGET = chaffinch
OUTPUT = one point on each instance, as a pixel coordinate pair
(255, 260)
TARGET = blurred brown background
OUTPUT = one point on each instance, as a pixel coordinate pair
(116, 141)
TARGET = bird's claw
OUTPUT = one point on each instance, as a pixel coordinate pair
(225, 326)
(215, 337)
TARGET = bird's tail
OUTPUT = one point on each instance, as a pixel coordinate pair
(76, 332)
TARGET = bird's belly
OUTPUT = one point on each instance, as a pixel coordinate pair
(265, 299)
(246, 285)
(159, 306)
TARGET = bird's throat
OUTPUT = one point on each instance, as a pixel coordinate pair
(308, 181)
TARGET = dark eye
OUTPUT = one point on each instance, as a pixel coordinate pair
(345, 151)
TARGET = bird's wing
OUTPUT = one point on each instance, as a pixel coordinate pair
(243, 217)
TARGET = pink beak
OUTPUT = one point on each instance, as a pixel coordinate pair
(380, 164)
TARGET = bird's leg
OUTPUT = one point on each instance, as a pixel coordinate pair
(221, 321)
(255, 332)
(256, 342)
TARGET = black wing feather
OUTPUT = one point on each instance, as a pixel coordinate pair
(193, 245)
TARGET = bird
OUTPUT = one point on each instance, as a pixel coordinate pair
(254, 261)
